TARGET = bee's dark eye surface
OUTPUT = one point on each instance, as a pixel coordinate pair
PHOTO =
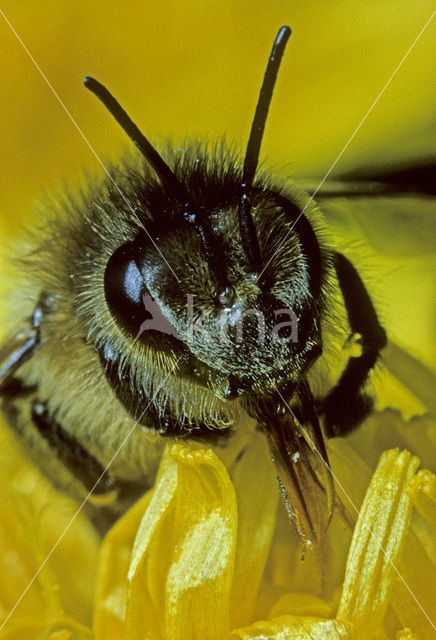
(124, 287)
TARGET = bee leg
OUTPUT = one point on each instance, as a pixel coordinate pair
(346, 405)
(14, 388)
(19, 348)
(82, 464)
(106, 498)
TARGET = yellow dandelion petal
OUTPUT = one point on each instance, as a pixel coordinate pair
(114, 560)
(180, 575)
(257, 495)
(296, 628)
(422, 490)
(378, 542)
(418, 566)
(38, 630)
(42, 586)
(406, 634)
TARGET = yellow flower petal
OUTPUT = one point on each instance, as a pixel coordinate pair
(295, 628)
(181, 570)
(114, 560)
(378, 542)
(422, 490)
(37, 629)
(33, 517)
(301, 604)
(406, 634)
(257, 496)
(415, 604)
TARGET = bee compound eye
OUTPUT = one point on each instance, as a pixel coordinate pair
(124, 287)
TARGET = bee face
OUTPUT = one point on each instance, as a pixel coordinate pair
(248, 331)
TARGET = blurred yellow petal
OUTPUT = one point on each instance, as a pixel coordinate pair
(422, 491)
(257, 496)
(114, 561)
(301, 604)
(294, 628)
(418, 566)
(38, 630)
(33, 517)
(406, 634)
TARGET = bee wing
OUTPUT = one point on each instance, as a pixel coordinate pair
(298, 451)
(414, 179)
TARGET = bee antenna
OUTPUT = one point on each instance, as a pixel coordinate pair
(169, 180)
(213, 252)
(246, 224)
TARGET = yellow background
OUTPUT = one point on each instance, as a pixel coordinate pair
(195, 68)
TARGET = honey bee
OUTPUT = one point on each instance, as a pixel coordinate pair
(186, 290)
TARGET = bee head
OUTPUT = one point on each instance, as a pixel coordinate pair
(201, 275)
(191, 285)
